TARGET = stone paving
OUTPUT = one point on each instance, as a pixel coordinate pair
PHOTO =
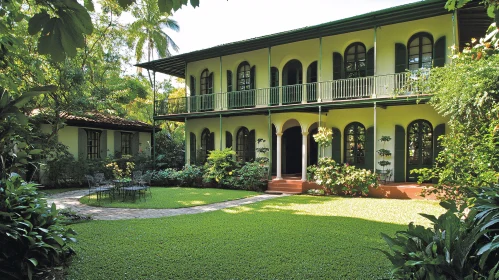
(71, 201)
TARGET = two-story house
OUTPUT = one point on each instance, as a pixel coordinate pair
(349, 75)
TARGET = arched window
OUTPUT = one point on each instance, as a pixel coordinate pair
(355, 143)
(420, 50)
(206, 82)
(355, 60)
(207, 144)
(244, 76)
(245, 145)
(419, 144)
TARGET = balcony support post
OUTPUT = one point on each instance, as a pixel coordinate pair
(279, 155)
(220, 97)
(319, 78)
(304, 155)
(269, 101)
(454, 30)
(187, 160)
(375, 139)
(319, 148)
(375, 53)
(220, 132)
(153, 138)
(270, 146)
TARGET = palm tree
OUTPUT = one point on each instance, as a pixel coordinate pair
(148, 31)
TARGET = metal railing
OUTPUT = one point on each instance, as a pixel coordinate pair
(344, 89)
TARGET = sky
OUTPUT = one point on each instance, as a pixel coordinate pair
(217, 22)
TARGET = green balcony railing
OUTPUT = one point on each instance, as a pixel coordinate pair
(344, 89)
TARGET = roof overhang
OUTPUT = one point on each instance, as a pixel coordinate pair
(176, 65)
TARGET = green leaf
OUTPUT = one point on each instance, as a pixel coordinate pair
(125, 3)
(89, 5)
(33, 261)
(194, 3)
(37, 22)
(35, 151)
(491, 11)
(165, 6)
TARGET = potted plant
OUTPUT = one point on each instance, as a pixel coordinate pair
(385, 174)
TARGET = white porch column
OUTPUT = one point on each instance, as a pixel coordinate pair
(304, 156)
(279, 156)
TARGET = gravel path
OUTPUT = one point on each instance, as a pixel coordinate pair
(71, 200)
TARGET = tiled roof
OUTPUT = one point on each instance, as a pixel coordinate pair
(101, 120)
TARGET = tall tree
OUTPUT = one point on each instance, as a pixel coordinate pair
(148, 31)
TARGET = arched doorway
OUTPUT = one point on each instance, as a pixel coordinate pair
(312, 82)
(291, 147)
(419, 147)
(292, 79)
(274, 150)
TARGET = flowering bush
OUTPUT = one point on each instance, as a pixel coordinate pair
(218, 166)
(342, 178)
(252, 176)
(119, 173)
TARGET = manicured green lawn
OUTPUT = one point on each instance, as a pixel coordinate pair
(167, 198)
(298, 237)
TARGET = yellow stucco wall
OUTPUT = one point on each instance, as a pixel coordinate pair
(145, 143)
(69, 137)
(308, 51)
(338, 118)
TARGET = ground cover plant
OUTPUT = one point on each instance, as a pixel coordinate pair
(167, 198)
(296, 237)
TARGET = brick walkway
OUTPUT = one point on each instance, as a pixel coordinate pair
(71, 200)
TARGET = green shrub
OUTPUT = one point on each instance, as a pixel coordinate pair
(32, 241)
(166, 177)
(190, 176)
(459, 246)
(342, 178)
(220, 163)
(252, 176)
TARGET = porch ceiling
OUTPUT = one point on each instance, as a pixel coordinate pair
(176, 65)
(309, 108)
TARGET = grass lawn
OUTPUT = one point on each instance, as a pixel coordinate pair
(167, 198)
(298, 237)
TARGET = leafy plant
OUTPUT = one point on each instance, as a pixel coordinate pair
(190, 176)
(262, 151)
(342, 178)
(324, 138)
(252, 176)
(385, 174)
(32, 240)
(220, 163)
(459, 246)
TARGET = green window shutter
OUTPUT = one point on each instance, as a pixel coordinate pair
(103, 144)
(82, 143)
(370, 149)
(336, 145)
(229, 81)
(228, 140)
(251, 145)
(400, 58)
(117, 143)
(211, 83)
(370, 62)
(337, 66)
(439, 52)
(192, 150)
(211, 142)
(399, 156)
(253, 77)
(193, 86)
(135, 144)
(439, 131)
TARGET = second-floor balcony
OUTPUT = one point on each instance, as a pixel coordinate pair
(373, 87)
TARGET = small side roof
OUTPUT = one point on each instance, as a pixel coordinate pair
(100, 120)
(175, 65)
